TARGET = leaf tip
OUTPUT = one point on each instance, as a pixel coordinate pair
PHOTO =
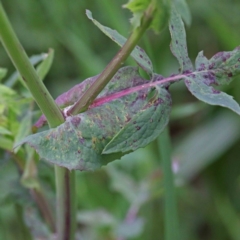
(106, 150)
(89, 14)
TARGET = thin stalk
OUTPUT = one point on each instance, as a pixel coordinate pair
(44, 207)
(170, 203)
(88, 97)
(65, 211)
(65, 184)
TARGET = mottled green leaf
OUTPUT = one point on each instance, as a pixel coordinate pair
(216, 71)
(70, 97)
(80, 141)
(220, 68)
(138, 53)
(179, 43)
(148, 123)
(210, 95)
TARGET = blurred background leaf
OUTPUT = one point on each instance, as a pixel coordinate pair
(206, 138)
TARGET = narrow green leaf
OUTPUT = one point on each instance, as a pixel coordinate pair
(186, 110)
(6, 143)
(44, 67)
(24, 129)
(138, 53)
(3, 73)
(137, 5)
(179, 43)
(4, 131)
(8, 99)
(80, 141)
(35, 59)
(6, 91)
(29, 176)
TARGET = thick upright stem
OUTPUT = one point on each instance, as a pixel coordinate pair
(64, 178)
(170, 204)
(83, 103)
(27, 71)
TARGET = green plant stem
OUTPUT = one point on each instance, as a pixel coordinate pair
(27, 71)
(65, 184)
(65, 211)
(44, 207)
(88, 97)
(170, 203)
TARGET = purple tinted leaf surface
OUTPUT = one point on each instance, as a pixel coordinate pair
(220, 68)
(80, 141)
(216, 71)
(69, 98)
(144, 126)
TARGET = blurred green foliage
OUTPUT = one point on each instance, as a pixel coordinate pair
(123, 200)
